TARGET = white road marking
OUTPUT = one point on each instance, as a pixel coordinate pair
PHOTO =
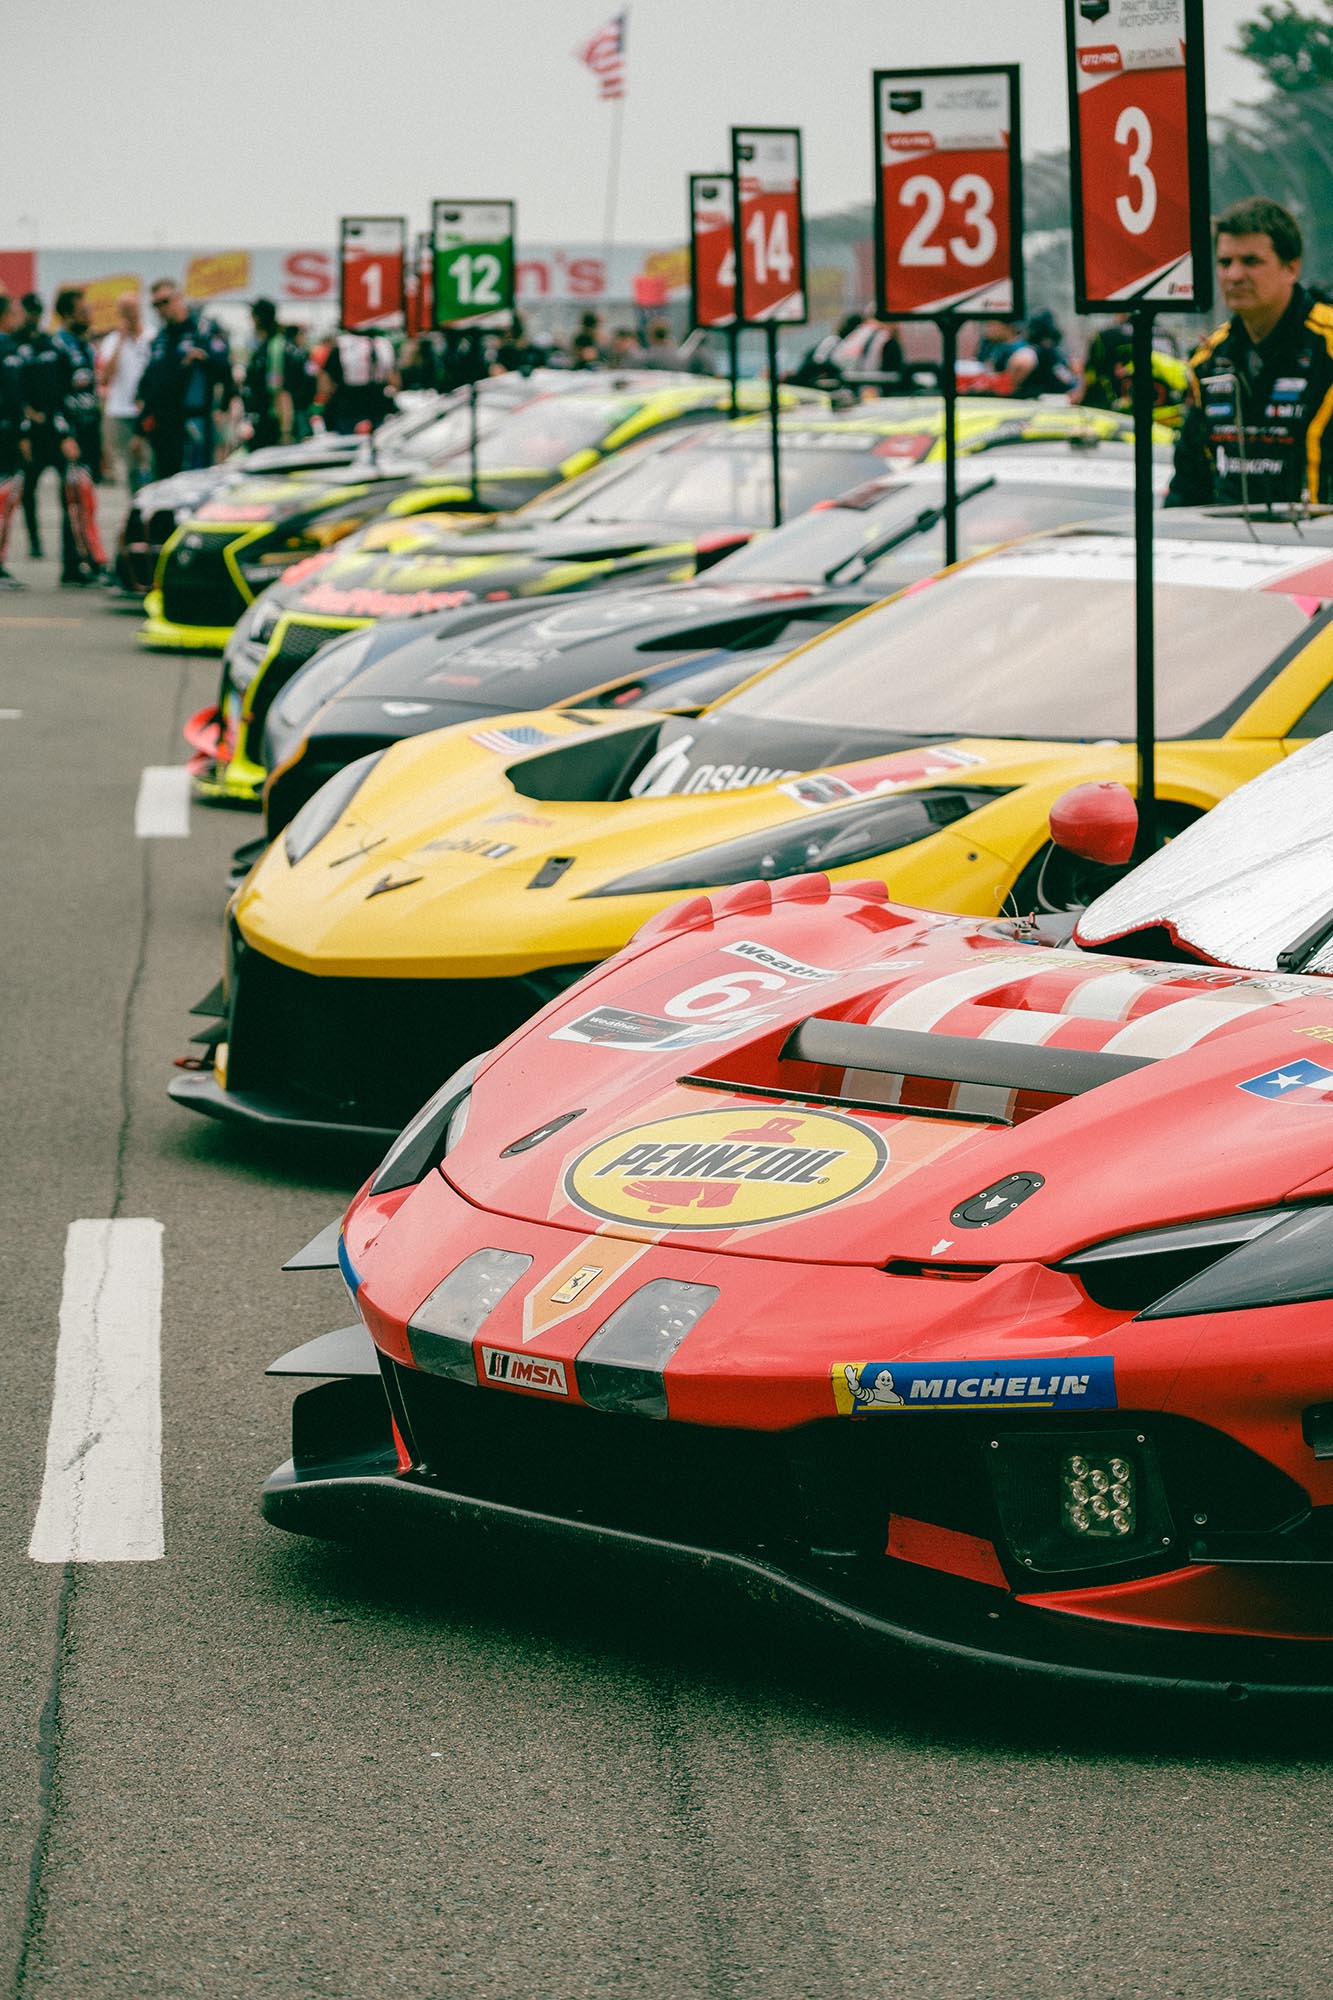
(162, 809)
(102, 1490)
(11, 715)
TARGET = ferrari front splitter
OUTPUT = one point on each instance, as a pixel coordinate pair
(938, 1622)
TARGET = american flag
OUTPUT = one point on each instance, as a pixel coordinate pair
(604, 54)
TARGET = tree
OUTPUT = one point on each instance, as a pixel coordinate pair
(1292, 48)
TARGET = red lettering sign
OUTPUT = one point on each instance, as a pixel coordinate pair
(1139, 157)
(948, 192)
(372, 265)
(770, 225)
(308, 274)
(712, 251)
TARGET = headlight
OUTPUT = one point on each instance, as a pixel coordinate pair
(620, 1368)
(1266, 1257)
(325, 675)
(321, 814)
(433, 1133)
(825, 840)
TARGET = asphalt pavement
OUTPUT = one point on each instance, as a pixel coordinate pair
(261, 1766)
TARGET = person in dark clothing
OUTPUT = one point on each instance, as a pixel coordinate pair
(83, 557)
(1040, 366)
(11, 429)
(41, 398)
(357, 382)
(1261, 385)
(188, 365)
(275, 379)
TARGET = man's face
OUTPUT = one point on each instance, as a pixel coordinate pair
(168, 305)
(32, 319)
(80, 317)
(1251, 276)
(11, 319)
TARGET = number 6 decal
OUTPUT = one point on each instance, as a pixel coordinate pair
(1139, 154)
(948, 192)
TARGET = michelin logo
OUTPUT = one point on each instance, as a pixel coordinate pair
(862, 1386)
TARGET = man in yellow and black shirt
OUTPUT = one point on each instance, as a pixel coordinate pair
(1262, 384)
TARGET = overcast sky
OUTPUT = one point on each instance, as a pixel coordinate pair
(220, 122)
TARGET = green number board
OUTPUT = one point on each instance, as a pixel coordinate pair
(474, 261)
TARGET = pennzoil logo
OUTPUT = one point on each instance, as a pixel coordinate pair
(726, 1169)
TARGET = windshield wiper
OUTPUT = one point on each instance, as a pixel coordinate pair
(1297, 955)
(928, 518)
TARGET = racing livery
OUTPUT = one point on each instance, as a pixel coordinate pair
(433, 895)
(972, 1288)
(222, 557)
(677, 645)
(699, 495)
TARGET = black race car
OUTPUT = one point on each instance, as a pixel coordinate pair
(679, 646)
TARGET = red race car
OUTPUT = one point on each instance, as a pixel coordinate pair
(970, 1282)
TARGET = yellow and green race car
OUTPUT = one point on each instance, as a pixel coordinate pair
(431, 897)
(220, 559)
(659, 512)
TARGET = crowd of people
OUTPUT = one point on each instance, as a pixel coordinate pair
(1252, 403)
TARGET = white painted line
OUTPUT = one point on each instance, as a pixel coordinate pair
(11, 715)
(162, 809)
(102, 1490)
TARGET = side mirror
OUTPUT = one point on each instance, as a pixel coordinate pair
(1098, 822)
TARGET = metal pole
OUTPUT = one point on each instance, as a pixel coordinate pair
(1145, 686)
(771, 335)
(472, 435)
(734, 366)
(949, 389)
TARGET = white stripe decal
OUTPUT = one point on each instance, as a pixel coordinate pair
(1108, 997)
(927, 1005)
(102, 1491)
(1015, 1024)
(162, 809)
(1171, 1029)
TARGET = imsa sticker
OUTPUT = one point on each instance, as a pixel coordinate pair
(524, 1371)
(862, 1386)
(726, 1169)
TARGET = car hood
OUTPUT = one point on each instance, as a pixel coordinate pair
(740, 1159)
(469, 818)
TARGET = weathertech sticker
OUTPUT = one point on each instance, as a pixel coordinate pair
(524, 1371)
(862, 1386)
(726, 1169)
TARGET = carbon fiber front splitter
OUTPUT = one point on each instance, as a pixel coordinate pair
(199, 1090)
(937, 1622)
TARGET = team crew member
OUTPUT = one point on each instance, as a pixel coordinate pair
(42, 395)
(1262, 385)
(188, 363)
(1108, 375)
(11, 429)
(357, 381)
(80, 425)
(275, 378)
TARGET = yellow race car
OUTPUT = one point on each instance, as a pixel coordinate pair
(432, 896)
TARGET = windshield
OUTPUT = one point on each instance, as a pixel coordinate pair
(545, 433)
(989, 513)
(1006, 650)
(721, 485)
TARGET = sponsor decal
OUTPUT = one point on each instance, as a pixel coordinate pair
(860, 1387)
(524, 1371)
(1308, 1082)
(905, 101)
(523, 736)
(825, 788)
(618, 1028)
(578, 1281)
(667, 774)
(777, 961)
(485, 850)
(363, 602)
(1320, 1033)
(726, 1169)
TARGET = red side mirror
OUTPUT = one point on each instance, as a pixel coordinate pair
(1097, 822)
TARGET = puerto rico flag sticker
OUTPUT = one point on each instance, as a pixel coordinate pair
(1305, 1081)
